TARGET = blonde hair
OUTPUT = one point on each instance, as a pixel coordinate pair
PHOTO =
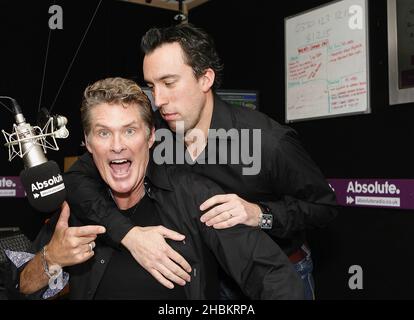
(115, 91)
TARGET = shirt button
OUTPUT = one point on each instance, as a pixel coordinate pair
(102, 261)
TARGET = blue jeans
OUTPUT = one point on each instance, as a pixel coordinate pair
(305, 268)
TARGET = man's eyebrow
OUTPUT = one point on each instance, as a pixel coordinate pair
(130, 124)
(164, 77)
(100, 125)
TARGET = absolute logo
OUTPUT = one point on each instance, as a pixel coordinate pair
(11, 187)
(372, 188)
(7, 183)
(47, 183)
(385, 193)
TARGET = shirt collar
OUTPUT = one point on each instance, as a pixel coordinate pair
(222, 117)
(157, 175)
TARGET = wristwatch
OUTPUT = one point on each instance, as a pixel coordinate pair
(265, 217)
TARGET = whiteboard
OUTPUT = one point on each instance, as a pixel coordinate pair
(326, 61)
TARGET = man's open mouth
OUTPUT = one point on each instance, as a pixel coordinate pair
(120, 166)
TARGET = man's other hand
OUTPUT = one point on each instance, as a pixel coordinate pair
(226, 210)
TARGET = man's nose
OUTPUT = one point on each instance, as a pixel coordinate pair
(118, 144)
(160, 98)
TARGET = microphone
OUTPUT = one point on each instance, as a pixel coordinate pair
(41, 178)
(44, 186)
(44, 119)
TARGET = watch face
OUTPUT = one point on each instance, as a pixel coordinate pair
(267, 221)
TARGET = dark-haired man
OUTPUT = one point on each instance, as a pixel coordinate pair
(280, 190)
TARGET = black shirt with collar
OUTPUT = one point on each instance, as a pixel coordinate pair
(126, 279)
(288, 182)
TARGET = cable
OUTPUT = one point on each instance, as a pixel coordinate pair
(8, 98)
(44, 67)
(73, 60)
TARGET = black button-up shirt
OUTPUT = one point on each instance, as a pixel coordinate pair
(288, 182)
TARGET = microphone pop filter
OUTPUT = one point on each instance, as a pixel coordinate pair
(44, 186)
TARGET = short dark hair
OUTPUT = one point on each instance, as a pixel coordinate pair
(115, 91)
(197, 45)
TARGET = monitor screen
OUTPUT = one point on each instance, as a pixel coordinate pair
(240, 98)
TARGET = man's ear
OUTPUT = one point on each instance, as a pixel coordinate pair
(151, 137)
(207, 79)
(85, 136)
